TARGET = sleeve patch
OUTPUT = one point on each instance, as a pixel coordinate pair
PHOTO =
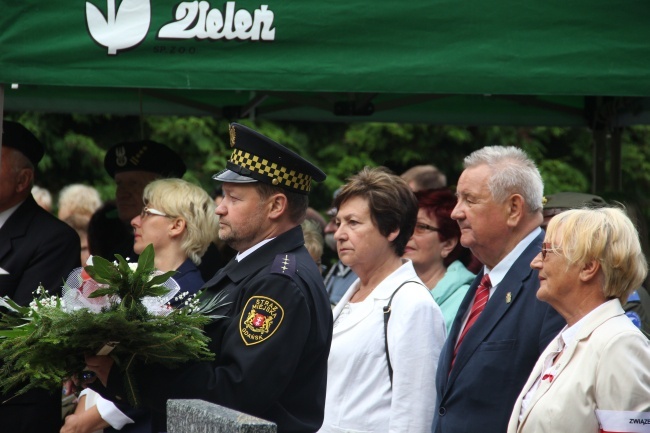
(260, 318)
(284, 264)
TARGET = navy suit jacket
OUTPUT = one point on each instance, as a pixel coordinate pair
(497, 354)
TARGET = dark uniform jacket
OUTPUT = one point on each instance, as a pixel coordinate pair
(497, 354)
(271, 349)
(35, 247)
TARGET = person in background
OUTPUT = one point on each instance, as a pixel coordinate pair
(381, 377)
(313, 241)
(78, 199)
(421, 177)
(35, 248)
(80, 225)
(43, 197)
(103, 228)
(637, 306)
(272, 345)
(594, 376)
(555, 204)
(133, 165)
(175, 218)
(501, 328)
(76, 205)
(339, 276)
(439, 259)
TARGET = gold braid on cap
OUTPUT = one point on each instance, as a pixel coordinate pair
(277, 173)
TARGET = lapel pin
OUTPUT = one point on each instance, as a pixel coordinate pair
(508, 297)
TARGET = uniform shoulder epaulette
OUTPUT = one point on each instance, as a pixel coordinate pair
(284, 264)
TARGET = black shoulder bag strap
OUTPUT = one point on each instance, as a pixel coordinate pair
(386, 317)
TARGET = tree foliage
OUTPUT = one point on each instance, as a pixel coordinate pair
(76, 145)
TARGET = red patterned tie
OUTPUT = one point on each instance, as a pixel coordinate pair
(480, 299)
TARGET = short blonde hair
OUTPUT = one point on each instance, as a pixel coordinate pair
(608, 236)
(190, 202)
(78, 199)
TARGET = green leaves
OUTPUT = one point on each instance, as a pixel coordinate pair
(43, 344)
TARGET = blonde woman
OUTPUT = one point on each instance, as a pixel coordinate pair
(595, 375)
(179, 219)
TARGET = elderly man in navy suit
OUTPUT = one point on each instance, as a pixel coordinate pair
(500, 328)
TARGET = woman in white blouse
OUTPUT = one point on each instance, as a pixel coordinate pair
(376, 216)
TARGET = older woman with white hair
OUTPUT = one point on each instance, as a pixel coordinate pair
(595, 376)
(179, 220)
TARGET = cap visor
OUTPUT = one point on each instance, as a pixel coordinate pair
(230, 176)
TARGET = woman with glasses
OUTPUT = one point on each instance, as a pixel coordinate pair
(381, 375)
(595, 375)
(441, 262)
(179, 220)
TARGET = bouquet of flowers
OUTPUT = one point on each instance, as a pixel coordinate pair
(119, 308)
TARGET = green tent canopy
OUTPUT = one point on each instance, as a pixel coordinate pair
(503, 62)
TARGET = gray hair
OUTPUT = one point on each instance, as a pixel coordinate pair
(513, 172)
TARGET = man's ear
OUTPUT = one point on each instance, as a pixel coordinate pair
(24, 179)
(515, 209)
(277, 205)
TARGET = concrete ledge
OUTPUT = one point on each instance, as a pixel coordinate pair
(199, 416)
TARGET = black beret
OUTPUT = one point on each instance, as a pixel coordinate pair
(16, 136)
(257, 158)
(144, 155)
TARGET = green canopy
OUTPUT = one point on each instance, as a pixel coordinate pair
(523, 62)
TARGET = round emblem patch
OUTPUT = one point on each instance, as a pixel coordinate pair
(260, 318)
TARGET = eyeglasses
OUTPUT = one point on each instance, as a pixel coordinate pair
(421, 228)
(151, 211)
(546, 247)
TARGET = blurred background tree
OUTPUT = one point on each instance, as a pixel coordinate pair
(76, 145)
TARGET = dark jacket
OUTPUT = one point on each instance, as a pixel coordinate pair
(271, 349)
(497, 354)
(35, 248)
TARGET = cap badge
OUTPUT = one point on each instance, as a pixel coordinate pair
(233, 135)
(120, 156)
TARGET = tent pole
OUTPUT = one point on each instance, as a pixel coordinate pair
(615, 166)
(2, 114)
(599, 155)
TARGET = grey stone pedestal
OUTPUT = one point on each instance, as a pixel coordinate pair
(198, 416)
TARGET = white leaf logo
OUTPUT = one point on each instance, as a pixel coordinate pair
(120, 29)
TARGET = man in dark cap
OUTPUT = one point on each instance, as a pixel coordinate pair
(133, 165)
(271, 349)
(35, 248)
(637, 307)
